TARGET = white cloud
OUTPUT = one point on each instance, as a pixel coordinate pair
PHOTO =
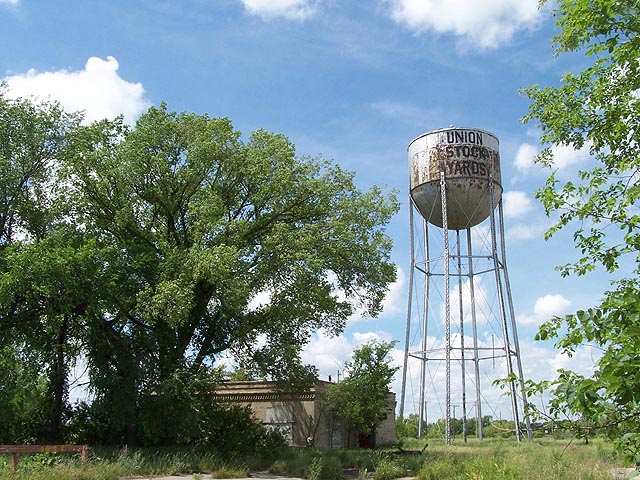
(360, 338)
(330, 353)
(488, 24)
(98, 90)
(525, 156)
(9, 2)
(525, 231)
(582, 361)
(396, 300)
(565, 156)
(545, 308)
(516, 204)
(290, 9)
(542, 363)
(550, 305)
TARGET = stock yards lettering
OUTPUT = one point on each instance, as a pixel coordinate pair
(470, 153)
(467, 167)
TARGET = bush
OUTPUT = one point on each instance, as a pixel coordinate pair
(230, 430)
(234, 432)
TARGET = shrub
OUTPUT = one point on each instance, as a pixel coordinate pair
(388, 469)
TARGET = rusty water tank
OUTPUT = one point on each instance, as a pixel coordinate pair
(469, 158)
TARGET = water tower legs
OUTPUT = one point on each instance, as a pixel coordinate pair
(437, 315)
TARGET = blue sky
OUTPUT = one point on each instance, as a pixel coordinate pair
(352, 81)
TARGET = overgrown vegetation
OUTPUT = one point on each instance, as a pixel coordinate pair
(137, 251)
(544, 459)
(114, 464)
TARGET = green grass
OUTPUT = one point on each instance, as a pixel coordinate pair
(541, 459)
(114, 464)
(535, 460)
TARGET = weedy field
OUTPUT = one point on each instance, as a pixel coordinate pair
(532, 460)
(545, 459)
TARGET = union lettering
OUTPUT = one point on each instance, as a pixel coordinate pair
(464, 136)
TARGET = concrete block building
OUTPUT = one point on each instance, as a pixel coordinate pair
(300, 416)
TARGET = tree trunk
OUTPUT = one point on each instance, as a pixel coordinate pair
(58, 383)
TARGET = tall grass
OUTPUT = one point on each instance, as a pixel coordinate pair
(535, 460)
(112, 464)
(492, 459)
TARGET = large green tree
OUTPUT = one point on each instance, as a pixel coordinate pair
(599, 109)
(151, 250)
(192, 225)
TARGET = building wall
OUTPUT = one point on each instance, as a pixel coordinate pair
(386, 430)
(300, 416)
(292, 414)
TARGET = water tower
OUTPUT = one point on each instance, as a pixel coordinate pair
(458, 280)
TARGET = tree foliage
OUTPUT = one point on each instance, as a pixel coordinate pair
(32, 137)
(599, 109)
(22, 396)
(145, 249)
(39, 288)
(361, 399)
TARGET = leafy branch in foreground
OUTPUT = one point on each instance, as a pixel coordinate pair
(597, 109)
